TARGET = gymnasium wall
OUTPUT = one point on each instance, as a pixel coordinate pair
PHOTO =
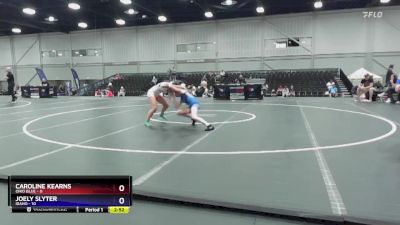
(342, 39)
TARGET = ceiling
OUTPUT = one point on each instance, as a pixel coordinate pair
(102, 13)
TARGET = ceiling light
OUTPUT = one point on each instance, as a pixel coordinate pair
(60, 54)
(126, 2)
(144, 16)
(120, 22)
(260, 9)
(318, 4)
(76, 52)
(131, 12)
(51, 19)
(74, 6)
(82, 25)
(385, 1)
(208, 14)
(229, 2)
(16, 30)
(29, 11)
(162, 18)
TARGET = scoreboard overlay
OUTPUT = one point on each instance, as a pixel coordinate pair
(70, 194)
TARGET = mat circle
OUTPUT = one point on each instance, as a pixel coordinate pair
(250, 115)
(233, 152)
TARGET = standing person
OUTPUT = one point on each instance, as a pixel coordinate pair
(392, 89)
(193, 106)
(389, 73)
(11, 83)
(155, 95)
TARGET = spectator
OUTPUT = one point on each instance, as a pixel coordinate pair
(204, 85)
(333, 93)
(329, 85)
(285, 92)
(393, 80)
(98, 93)
(265, 89)
(273, 92)
(121, 92)
(291, 91)
(397, 90)
(366, 86)
(222, 73)
(389, 73)
(279, 90)
(11, 84)
(154, 80)
(194, 89)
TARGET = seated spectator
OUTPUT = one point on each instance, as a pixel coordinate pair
(121, 91)
(265, 89)
(397, 90)
(329, 85)
(273, 92)
(366, 86)
(334, 91)
(154, 80)
(391, 90)
(285, 92)
(98, 93)
(291, 91)
(279, 90)
(109, 93)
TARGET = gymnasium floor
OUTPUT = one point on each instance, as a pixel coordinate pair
(315, 156)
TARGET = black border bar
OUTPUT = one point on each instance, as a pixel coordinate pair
(293, 215)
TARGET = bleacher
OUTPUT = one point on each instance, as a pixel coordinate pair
(308, 82)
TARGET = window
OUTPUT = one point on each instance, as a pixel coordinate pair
(86, 52)
(281, 44)
(54, 53)
(195, 47)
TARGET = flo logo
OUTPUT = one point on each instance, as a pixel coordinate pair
(373, 14)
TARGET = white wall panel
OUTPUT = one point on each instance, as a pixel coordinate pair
(341, 33)
(156, 43)
(155, 68)
(240, 65)
(194, 67)
(385, 61)
(387, 32)
(24, 74)
(287, 64)
(86, 40)
(89, 72)
(58, 73)
(5, 49)
(239, 38)
(110, 70)
(196, 33)
(120, 46)
(291, 26)
(23, 51)
(348, 64)
(55, 41)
